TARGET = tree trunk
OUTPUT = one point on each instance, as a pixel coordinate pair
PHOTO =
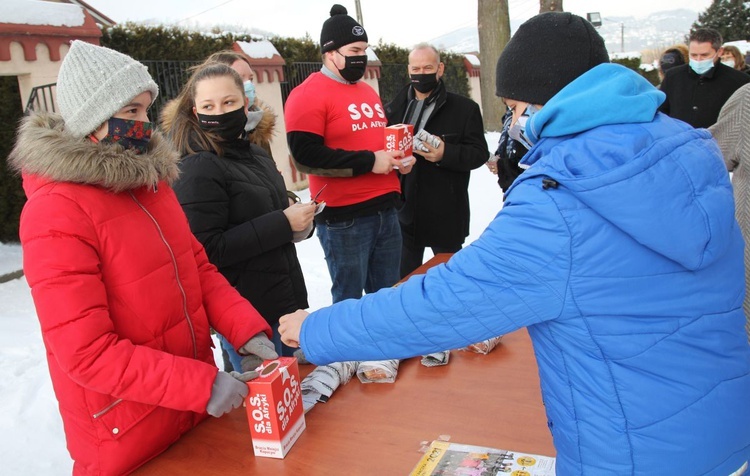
(550, 6)
(493, 23)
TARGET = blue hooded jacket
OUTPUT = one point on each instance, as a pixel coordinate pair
(619, 250)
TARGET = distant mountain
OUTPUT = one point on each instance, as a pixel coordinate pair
(655, 31)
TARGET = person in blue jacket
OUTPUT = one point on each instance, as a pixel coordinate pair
(617, 248)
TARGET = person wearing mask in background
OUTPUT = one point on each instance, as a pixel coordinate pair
(336, 132)
(435, 212)
(505, 162)
(124, 293)
(676, 55)
(261, 120)
(697, 91)
(235, 198)
(732, 132)
(732, 57)
(617, 249)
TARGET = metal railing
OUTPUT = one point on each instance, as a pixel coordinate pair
(171, 76)
(42, 98)
(295, 74)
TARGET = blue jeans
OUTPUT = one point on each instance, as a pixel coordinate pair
(234, 357)
(362, 254)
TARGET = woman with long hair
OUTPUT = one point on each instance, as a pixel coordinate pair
(234, 196)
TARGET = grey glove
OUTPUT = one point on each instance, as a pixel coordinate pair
(227, 394)
(255, 351)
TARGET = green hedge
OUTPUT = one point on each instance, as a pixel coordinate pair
(12, 197)
(635, 64)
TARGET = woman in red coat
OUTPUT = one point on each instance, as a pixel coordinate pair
(125, 295)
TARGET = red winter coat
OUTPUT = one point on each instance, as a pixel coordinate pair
(124, 293)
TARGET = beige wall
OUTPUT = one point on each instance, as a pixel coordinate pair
(269, 91)
(31, 73)
(374, 83)
(475, 91)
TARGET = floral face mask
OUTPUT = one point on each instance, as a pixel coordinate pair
(132, 135)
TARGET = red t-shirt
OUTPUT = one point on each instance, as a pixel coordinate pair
(348, 117)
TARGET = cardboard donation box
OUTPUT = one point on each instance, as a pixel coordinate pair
(399, 137)
(274, 408)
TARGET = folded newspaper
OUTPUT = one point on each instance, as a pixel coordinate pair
(436, 359)
(320, 384)
(444, 458)
(424, 136)
(484, 347)
(377, 371)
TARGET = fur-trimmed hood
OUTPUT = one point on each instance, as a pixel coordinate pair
(45, 149)
(264, 131)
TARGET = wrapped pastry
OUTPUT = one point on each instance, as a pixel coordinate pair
(484, 347)
(377, 371)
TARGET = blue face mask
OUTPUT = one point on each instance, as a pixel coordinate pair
(249, 91)
(703, 66)
(517, 131)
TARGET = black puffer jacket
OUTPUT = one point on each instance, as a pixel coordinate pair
(235, 208)
(436, 197)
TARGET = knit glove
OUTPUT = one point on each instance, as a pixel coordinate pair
(255, 351)
(298, 236)
(227, 393)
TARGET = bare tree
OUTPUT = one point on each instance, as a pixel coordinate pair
(493, 22)
(550, 6)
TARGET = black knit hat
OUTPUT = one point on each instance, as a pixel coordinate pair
(547, 52)
(340, 30)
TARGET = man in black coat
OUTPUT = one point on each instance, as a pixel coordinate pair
(697, 91)
(435, 193)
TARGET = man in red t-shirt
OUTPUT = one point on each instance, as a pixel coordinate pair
(335, 125)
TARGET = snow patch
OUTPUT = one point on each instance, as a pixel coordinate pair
(258, 49)
(27, 12)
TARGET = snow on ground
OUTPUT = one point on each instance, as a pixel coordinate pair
(10, 258)
(31, 435)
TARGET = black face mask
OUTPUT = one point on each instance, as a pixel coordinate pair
(228, 126)
(424, 83)
(354, 67)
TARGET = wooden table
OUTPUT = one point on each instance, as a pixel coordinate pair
(377, 429)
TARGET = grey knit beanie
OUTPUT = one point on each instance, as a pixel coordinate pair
(95, 82)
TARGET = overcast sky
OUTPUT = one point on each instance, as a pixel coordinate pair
(404, 22)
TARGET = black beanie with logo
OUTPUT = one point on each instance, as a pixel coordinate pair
(546, 54)
(340, 30)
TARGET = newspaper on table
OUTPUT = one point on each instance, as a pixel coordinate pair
(436, 359)
(320, 384)
(377, 371)
(454, 459)
(484, 347)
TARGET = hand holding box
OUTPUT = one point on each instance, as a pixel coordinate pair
(399, 137)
